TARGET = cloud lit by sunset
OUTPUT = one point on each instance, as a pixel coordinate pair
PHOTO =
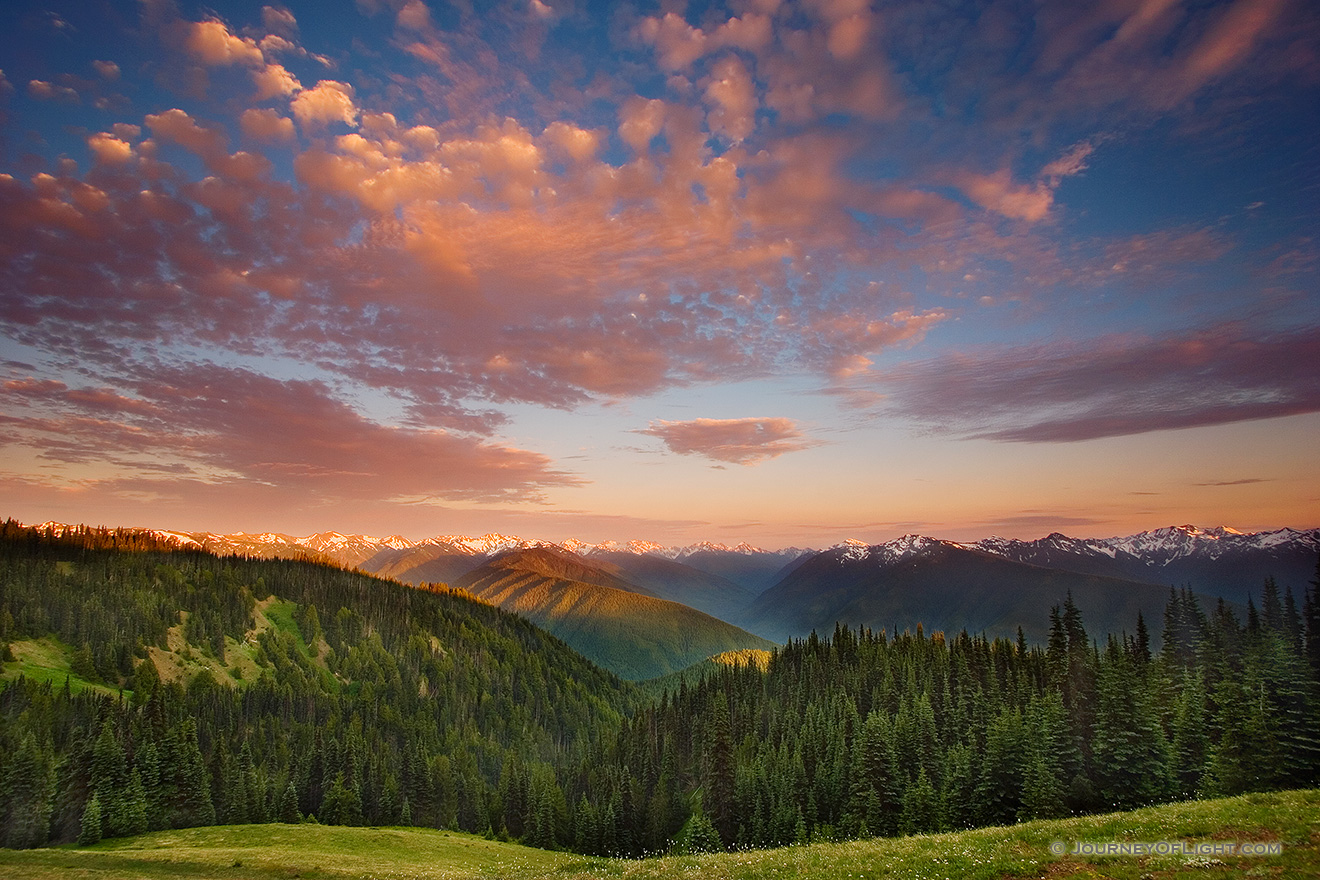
(545, 267)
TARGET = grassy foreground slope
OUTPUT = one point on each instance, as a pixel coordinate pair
(1291, 819)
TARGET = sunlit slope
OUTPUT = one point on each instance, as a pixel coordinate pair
(607, 619)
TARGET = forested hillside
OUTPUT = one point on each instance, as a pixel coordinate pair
(860, 734)
(290, 689)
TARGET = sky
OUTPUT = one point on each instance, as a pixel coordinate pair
(777, 272)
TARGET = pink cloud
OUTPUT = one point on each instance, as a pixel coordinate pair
(46, 91)
(999, 193)
(745, 441)
(732, 97)
(266, 125)
(328, 101)
(273, 81)
(226, 423)
(211, 43)
(109, 149)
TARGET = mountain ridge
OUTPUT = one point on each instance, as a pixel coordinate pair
(1163, 544)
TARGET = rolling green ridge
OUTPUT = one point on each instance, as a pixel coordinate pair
(612, 622)
(1290, 819)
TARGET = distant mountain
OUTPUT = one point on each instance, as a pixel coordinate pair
(606, 618)
(723, 580)
(423, 563)
(1215, 562)
(677, 582)
(942, 586)
(753, 570)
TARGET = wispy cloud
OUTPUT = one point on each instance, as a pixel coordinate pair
(1115, 386)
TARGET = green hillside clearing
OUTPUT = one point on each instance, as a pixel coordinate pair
(47, 660)
(1290, 819)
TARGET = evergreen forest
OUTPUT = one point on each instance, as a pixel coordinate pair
(208, 690)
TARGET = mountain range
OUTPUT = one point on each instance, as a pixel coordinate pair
(642, 609)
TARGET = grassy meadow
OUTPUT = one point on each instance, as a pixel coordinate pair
(1290, 819)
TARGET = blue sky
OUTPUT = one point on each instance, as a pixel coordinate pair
(766, 271)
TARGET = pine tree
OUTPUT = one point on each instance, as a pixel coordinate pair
(719, 775)
(26, 797)
(1050, 758)
(698, 835)
(289, 813)
(920, 806)
(1190, 743)
(1130, 750)
(91, 822)
(959, 786)
(192, 806)
(997, 796)
(110, 781)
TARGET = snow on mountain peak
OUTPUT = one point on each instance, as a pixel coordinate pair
(888, 552)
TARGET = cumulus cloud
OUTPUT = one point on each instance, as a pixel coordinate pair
(737, 441)
(211, 43)
(328, 101)
(109, 150)
(266, 125)
(273, 81)
(732, 97)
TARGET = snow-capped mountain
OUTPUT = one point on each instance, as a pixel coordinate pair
(888, 552)
(1218, 561)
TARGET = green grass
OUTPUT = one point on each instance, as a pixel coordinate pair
(48, 660)
(1021, 851)
(310, 852)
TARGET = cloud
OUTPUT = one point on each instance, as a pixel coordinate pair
(211, 43)
(273, 81)
(1035, 520)
(219, 423)
(279, 20)
(46, 91)
(266, 125)
(328, 101)
(1114, 386)
(737, 441)
(109, 150)
(732, 97)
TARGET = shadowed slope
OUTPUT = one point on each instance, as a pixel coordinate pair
(943, 587)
